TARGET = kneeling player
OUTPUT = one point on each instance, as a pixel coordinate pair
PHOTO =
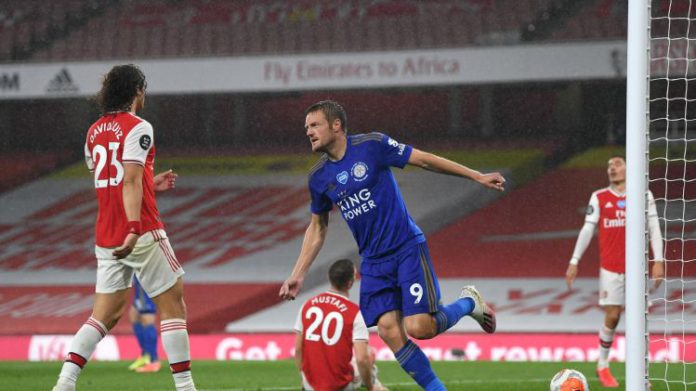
(329, 330)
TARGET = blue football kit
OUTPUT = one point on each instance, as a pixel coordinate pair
(146, 334)
(141, 301)
(396, 270)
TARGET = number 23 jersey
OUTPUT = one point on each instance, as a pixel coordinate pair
(114, 140)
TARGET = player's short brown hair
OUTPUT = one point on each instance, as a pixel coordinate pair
(332, 111)
(342, 273)
(119, 87)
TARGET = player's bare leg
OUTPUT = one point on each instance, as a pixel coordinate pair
(106, 312)
(411, 358)
(612, 315)
(421, 326)
(174, 334)
(391, 329)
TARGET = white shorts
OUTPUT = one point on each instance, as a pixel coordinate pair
(612, 288)
(152, 260)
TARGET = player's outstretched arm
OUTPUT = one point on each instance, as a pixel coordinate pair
(132, 202)
(432, 162)
(312, 243)
(165, 180)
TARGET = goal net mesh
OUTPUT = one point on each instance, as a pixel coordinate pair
(672, 179)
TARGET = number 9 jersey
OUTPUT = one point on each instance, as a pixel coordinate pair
(329, 323)
(116, 139)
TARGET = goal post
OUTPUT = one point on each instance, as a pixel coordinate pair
(661, 154)
(637, 81)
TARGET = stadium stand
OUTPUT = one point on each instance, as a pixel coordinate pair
(26, 26)
(94, 30)
(550, 211)
(20, 167)
(232, 233)
(521, 265)
(606, 19)
(238, 243)
(73, 30)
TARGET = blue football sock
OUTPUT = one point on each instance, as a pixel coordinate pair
(150, 341)
(450, 314)
(416, 364)
(139, 332)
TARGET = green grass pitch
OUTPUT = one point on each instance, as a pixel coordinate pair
(282, 375)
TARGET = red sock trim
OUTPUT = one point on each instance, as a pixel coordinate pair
(93, 322)
(76, 359)
(605, 344)
(180, 366)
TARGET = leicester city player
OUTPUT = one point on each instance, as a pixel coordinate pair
(143, 314)
(399, 291)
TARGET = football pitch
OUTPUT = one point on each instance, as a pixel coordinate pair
(282, 375)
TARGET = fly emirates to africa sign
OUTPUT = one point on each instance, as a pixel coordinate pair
(580, 61)
(402, 68)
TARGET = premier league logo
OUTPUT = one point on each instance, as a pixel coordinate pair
(359, 171)
(342, 177)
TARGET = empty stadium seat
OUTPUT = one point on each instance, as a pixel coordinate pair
(160, 28)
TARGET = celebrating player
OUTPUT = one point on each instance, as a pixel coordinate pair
(129, 233)
(608, 205)
(329, 328)
(142, 317)
(399, 291)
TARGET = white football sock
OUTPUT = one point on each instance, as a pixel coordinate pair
(176, 344)
(606, 338)
(81, 348)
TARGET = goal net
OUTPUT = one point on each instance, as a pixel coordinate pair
(671, 175)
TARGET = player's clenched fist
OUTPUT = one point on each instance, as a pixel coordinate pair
(291, 287)
(493, 181)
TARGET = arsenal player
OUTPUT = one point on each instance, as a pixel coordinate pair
(130, 237)
(607, 209)
(330, 328)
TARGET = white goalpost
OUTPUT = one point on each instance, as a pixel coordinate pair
(660, 117)
(637, 79)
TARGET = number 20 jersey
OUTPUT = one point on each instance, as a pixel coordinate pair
(114, 140)
(329, 323)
